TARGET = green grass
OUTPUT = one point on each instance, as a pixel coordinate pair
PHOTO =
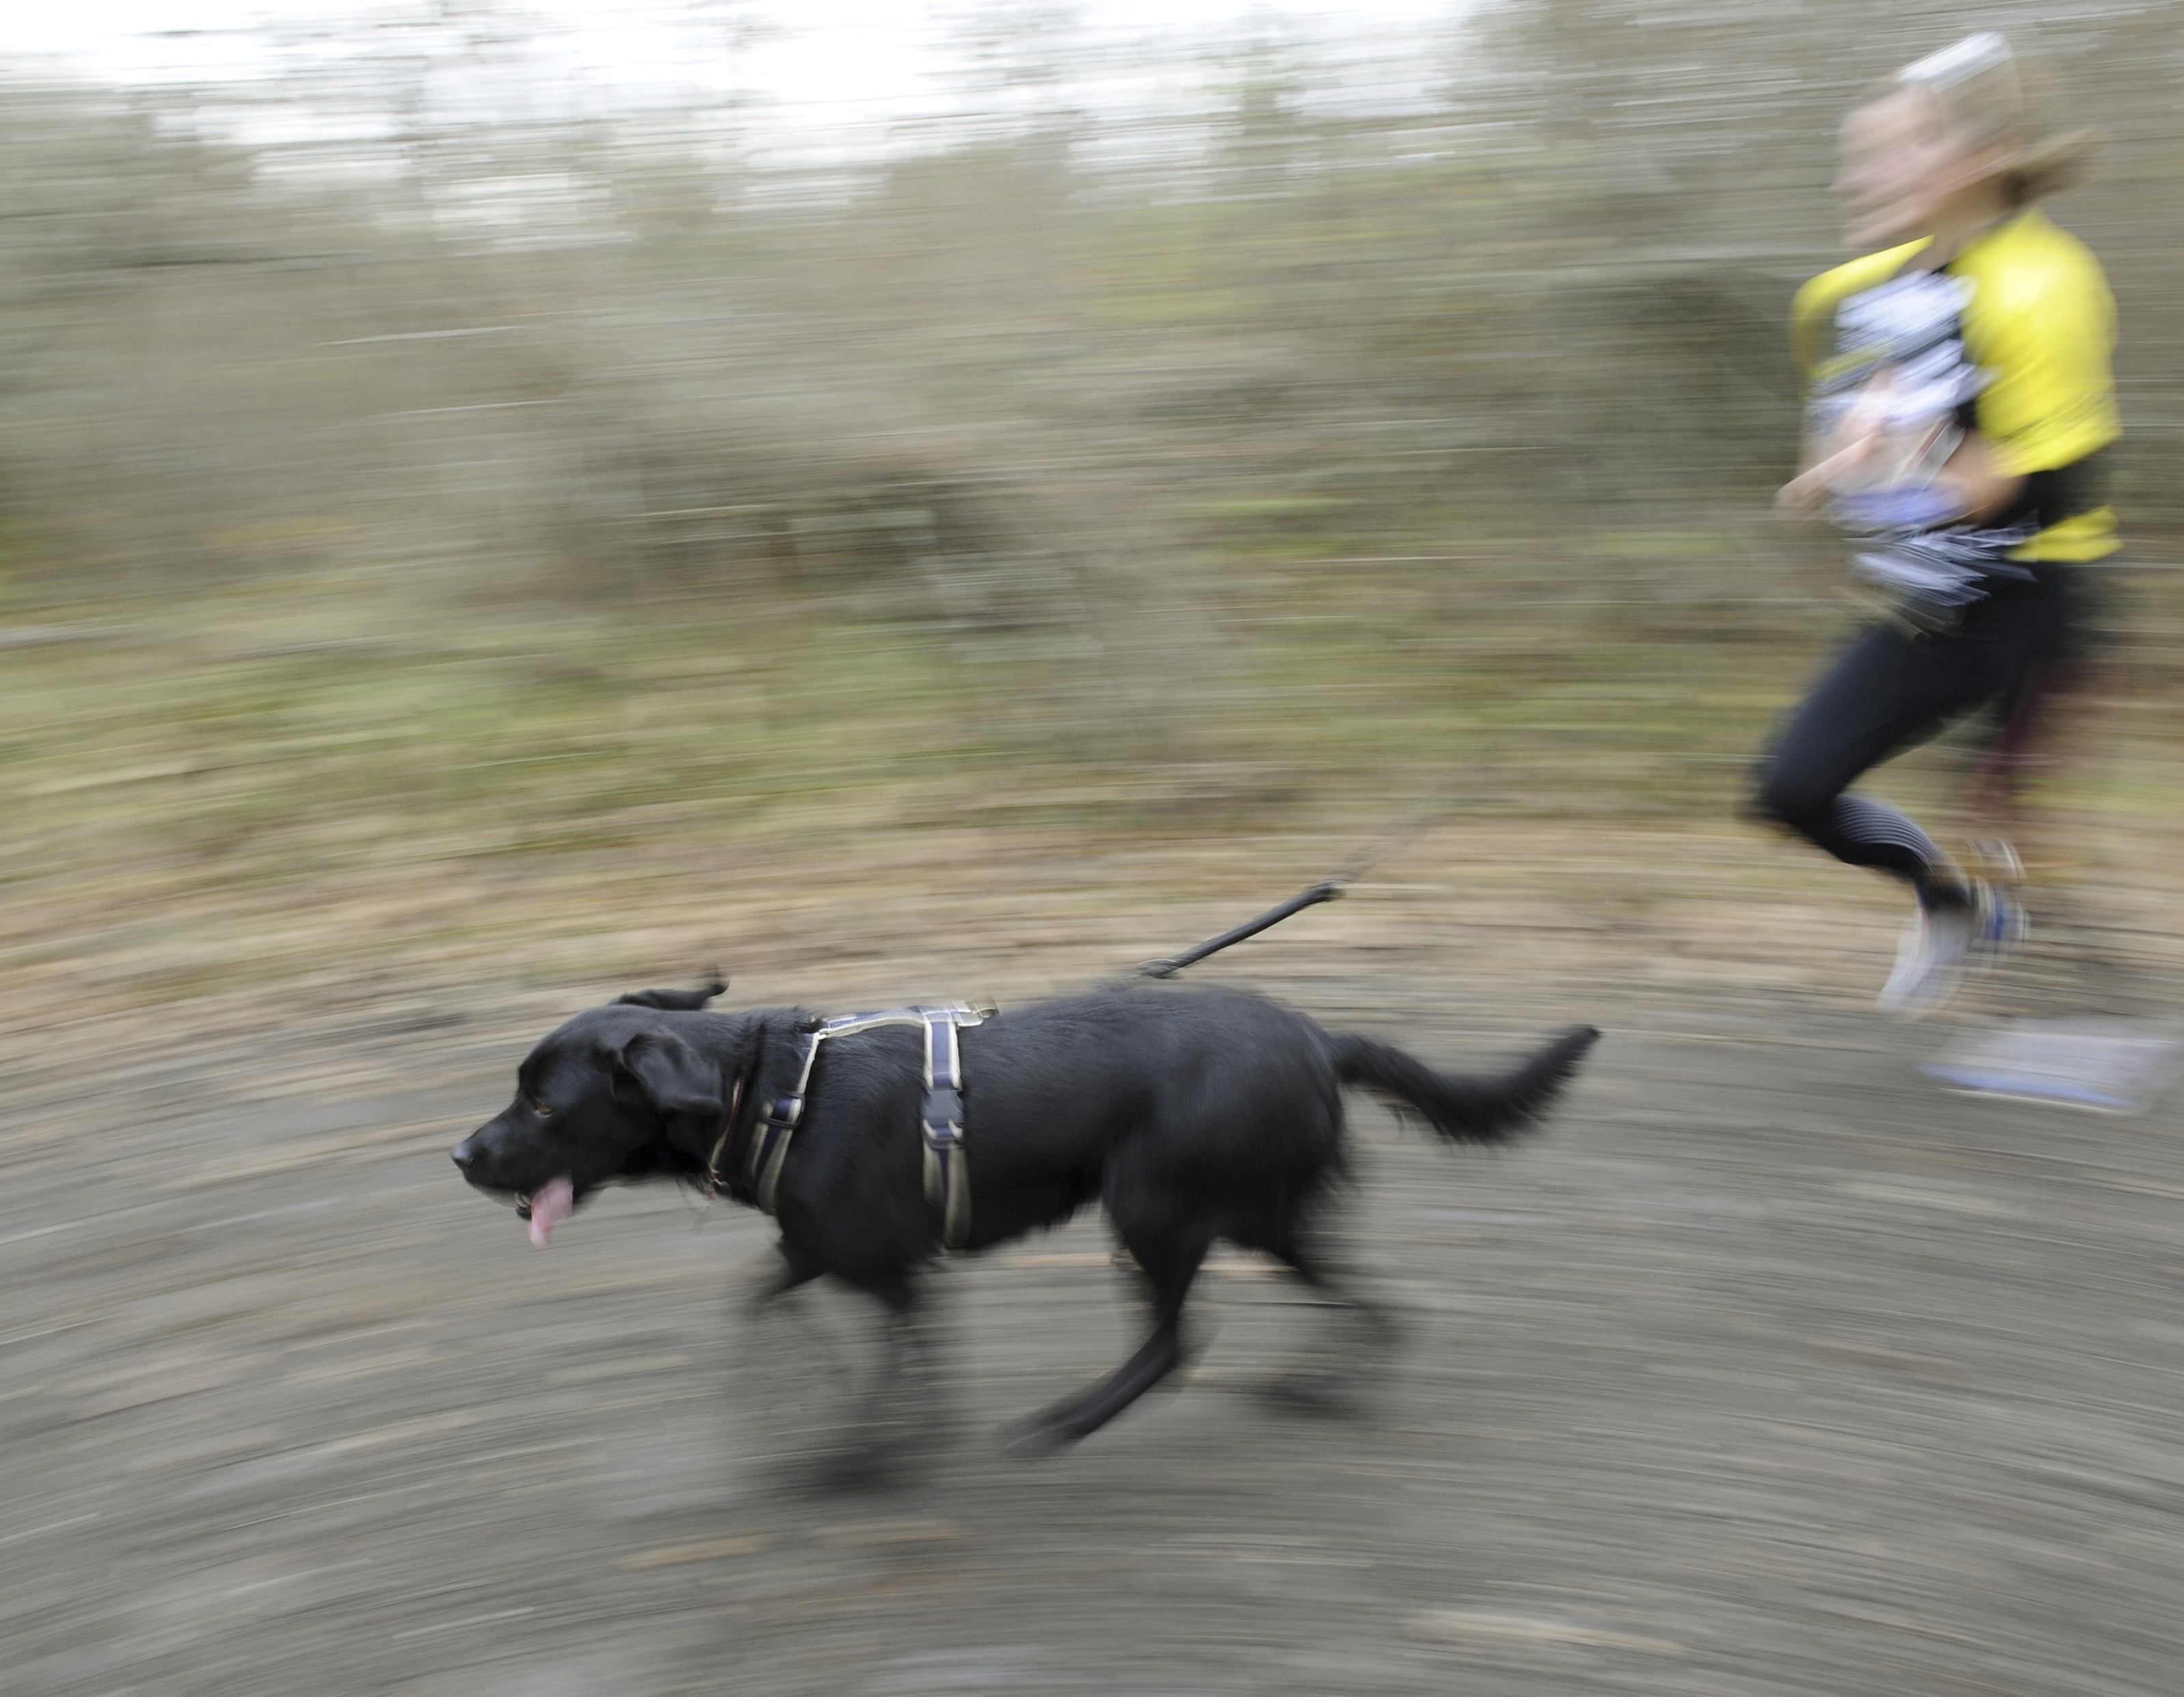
(220, 769)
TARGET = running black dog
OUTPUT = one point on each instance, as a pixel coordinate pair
(1192, 1115)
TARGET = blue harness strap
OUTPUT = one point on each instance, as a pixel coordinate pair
(940, 1116)
(947, 1179)
(769, 1150)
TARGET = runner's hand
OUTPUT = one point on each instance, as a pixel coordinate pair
(1810, 490)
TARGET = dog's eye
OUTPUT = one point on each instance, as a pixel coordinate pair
(542, 1109)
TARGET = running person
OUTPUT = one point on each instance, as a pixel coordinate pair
(1960, 404)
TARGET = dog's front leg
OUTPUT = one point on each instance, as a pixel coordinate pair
(790, 1268)
(905, 1419)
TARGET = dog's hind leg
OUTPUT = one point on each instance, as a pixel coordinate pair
(1327, 1382)
(1170, 1261)
(1307, 1257)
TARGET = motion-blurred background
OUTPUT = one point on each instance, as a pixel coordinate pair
(503, 504)
(468, 470)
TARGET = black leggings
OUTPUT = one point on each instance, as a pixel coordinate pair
(1891, 689)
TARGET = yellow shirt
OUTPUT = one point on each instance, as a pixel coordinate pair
(2039, 322)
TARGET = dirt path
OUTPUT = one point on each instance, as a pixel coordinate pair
(1766, 1370)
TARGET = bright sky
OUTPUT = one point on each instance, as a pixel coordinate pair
(835, 64)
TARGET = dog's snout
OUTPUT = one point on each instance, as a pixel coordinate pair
(470, 1155)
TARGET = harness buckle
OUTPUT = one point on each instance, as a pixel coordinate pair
(944, 1112)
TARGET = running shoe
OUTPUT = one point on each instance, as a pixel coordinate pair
(1937, 943)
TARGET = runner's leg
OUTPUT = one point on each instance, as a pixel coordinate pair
(1884, 692)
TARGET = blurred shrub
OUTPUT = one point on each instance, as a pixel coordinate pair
(626, 357)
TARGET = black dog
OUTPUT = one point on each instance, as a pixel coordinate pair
(1192, 1115)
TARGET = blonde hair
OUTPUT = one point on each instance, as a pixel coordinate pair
(1986, 96)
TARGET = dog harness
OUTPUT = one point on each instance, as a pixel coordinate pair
(940, 1115)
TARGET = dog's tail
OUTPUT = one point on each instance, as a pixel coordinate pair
(1465, 1110)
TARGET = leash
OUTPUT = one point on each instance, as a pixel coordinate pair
(1399, 833)
(941, 1113)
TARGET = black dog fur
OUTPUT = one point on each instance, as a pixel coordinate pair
(1192, 1115)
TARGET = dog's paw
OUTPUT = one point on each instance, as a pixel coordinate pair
(841, 1468)
(1312, 1393)
(1388, 1329)
(1029, 1440)
(757, 1299)
(761, 1285)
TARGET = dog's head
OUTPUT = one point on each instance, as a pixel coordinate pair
(616, 1094)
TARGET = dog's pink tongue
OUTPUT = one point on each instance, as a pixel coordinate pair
(552, 1204)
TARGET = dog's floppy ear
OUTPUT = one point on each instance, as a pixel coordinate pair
(675, 1001)
(675, 1080)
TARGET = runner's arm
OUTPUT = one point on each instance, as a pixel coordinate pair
(1975, 473)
